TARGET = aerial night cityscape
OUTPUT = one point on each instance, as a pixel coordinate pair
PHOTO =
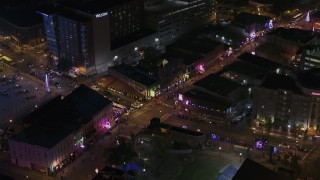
(160, 89)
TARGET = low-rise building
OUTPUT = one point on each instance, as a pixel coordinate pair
(141, 81)
(203, 107)
(288, 101)
(60, 130)
(282, 44)
(222, 87)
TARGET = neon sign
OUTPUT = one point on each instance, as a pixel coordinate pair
(200, 68)
(101, 15)
(180, 97)
(315, 94)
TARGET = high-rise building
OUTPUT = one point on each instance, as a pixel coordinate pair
(96, 34)
(172, 19)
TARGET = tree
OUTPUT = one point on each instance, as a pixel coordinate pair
(267, 123)
(296, 130)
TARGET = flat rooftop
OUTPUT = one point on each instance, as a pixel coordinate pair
(283, 82)
(216, 84)
(214, 102)
(57, 119)
(165, 6)
(136, 74)
(292, 34)
(94, 7)
(246, 69)
(259, 61)
(191, 52)
(74, 17)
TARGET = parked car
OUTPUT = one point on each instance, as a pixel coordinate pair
(56, 84)
(94, 87)
(284, 145)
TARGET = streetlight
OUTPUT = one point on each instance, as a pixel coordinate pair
(240, 156)
(289, 126)
(220, 151)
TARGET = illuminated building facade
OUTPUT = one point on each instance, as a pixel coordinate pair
(97, 34)
(282, 44)
(308, 57)
(171, 19)
(252, 24)
(204, 107)
(315, 21)
(142, 82)
(289, 101)
(60, 130)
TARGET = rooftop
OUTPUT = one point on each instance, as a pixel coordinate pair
(23, 17)
(165, 6)
(135, 74)
(277, 81)
(259, 61)
(292, 34)
(194, 51)
(247, 69)
(74, 17)
(96, 6)
(253, 170)
(214, 102)
(245, 19)
(216, 84)
(61, 115)
(310, 78)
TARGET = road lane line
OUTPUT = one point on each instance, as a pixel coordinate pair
(309, 152)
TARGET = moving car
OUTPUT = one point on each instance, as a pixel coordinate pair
(137, 104)
(302, 149)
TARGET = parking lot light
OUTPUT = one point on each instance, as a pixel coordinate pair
(10, 120)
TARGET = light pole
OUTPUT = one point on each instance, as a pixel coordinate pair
(240, 156)
(220, 151)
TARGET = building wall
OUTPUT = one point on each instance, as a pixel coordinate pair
(310, 59)
(49, 161)
(50, 24)
(283, 107)
(171, 24)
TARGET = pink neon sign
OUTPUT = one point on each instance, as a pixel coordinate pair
(315, 94)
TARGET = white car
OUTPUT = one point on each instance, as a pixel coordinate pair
(284, 145)
(96, 88)
(137, 104)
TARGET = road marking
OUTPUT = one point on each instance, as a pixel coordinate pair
(305, 156)
(165, 116)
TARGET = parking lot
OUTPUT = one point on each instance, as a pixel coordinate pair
(19, 94)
